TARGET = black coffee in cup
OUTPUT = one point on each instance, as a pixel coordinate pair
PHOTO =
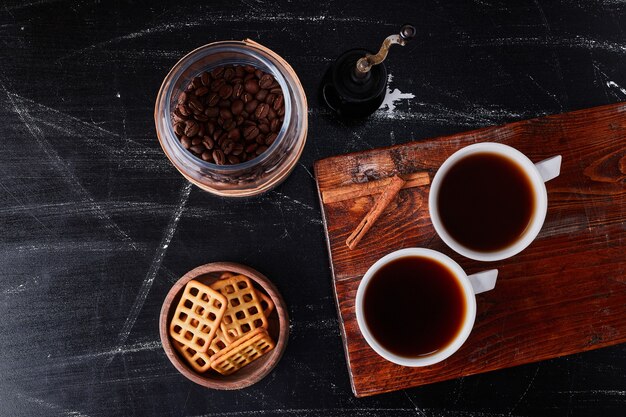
(486, 201)
(414, 306)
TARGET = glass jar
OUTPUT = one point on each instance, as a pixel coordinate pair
(266, 170)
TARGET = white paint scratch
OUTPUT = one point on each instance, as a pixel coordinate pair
(418, 410)
(51, 406)
(530, 383)
(293, 200)
(392, 97)
(306, 169)
(68, 176)
(613, 84)
(159, 255)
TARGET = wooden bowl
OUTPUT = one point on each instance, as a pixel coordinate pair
(278, 328)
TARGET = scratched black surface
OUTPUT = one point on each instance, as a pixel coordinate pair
(96, 224)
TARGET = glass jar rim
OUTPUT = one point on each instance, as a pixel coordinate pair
(273, 64)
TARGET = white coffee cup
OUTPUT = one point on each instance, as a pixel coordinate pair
(471, 285)
(538, 174)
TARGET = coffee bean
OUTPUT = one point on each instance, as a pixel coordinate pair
(201, 91)
(191, 128)
(225, 91)
(208, 142)
(261, 111)
(217, 84)
(217, 72)
(229, 73)
(214, 98)
(226, 114)
(234, 134)
(219, 157)
(205, 79)
(179, 128)
(238, 90)
(261, 95)
(178, 116)
(237, 107)
(251, 106)
(201, 117)
(270, 99)
(227, 147)
(229, 124)
(278, 102)
(184, 110)
(275, 125)
(252, 86)
(212, 112)
(250, 132)
(237, 149)
(266, 81)
(270, 139)
(230, 114)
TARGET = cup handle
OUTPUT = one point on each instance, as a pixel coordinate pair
(549, 168)
(483, 281)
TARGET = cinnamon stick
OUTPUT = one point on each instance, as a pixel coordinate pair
(395, 185)
(348, 192)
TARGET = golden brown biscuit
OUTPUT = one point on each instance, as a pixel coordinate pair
(198, 316)
(248, 348)
(244, 312)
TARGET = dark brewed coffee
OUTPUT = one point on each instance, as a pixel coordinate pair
(486, 202)
(414, 306)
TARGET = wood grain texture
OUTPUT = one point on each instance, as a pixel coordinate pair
(565, 293)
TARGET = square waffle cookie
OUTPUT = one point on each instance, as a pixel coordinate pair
(200, 362)
(245, 311)
(218, 343)
(248, 348)
(198, 316)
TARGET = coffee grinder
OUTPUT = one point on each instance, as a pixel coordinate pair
(355, 85)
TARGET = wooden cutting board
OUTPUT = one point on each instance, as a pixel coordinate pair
(565, 293)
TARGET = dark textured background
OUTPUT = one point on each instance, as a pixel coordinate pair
(96, 224)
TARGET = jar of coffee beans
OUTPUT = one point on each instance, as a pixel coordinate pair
(232, 118)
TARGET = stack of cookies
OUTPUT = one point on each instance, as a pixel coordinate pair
(222, 326)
